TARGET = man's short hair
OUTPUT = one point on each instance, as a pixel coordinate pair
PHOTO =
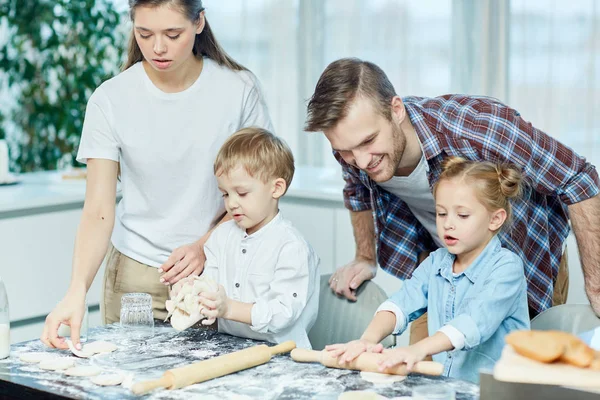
(343, 81)
(262, 154)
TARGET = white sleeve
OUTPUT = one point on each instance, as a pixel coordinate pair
(456, 337)
(288, 293)
(255, 111)
(98, 139)
(400, 317)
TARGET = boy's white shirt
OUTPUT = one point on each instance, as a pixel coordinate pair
(274, 268)
(166, 144)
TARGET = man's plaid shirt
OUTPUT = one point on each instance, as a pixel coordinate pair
(483, 129)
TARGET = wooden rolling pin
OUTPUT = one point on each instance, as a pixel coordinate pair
(365, 362)
(215, 367)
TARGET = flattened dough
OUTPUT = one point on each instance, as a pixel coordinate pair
(37, 356)
(89, 349)
(183, 307)
(83, 370)
(100, 346)
(377, 378)
(57, 364)
(107, 379)
(359, 395)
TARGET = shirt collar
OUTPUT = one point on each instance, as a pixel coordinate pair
(261, 232)
(478, 265)
(418, 119)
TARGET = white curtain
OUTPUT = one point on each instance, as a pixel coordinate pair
(540, 57)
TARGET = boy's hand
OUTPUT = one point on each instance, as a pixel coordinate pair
(213, 305)
(409, 355)
(348, 352)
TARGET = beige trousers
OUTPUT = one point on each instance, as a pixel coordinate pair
(125, 275)
(418, 328)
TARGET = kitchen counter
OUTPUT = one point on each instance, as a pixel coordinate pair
(145, 359)
(43, 191)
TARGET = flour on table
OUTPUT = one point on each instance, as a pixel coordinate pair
(183, 307)
(37, 356)
(107, 379)
(377, 378)
(57, 364)
(83, 370)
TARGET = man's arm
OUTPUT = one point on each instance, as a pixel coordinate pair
(363, 227)
(585, 219)
(348, 278)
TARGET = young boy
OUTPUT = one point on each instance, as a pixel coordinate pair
(267, 273)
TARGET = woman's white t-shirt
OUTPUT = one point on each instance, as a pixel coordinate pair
(166, 144)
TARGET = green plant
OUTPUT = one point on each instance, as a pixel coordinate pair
(57, 53)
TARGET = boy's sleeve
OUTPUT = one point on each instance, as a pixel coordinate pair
(483, 313)
(288, 293)
(410, 302)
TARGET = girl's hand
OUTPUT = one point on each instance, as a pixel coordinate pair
(184, 261)
(409, 355)
(348, 352)
(213, 305)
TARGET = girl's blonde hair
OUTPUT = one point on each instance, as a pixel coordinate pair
(262, 154)
(495, 185)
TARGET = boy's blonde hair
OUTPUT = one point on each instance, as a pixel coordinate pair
(495, 185)
(262, 154)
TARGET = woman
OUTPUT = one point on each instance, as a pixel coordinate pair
(157, 126)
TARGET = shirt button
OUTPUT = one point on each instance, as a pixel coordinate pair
(244, 251)
(237, 285)
(295, 295)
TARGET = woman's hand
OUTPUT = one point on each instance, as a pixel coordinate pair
(348, 352)
(408, 355)
(213, 305)
(184, 261)
(70, 312)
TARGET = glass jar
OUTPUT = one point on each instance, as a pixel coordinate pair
(136, 312)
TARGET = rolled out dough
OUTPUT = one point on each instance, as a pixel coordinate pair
(107, 379)
(377, 378)
(37, 356)
(57, 364)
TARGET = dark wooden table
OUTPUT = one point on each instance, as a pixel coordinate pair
(147, 357)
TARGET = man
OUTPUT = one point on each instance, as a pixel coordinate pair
(390, 149)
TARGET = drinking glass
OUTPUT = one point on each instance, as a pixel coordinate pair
(136, 312)
(433, 392)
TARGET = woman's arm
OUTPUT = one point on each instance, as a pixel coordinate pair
(91, 244)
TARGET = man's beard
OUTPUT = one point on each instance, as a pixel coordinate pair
(392, 160)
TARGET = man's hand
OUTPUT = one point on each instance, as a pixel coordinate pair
(348, 278)
(348, 352)
(184, 261)
(213, 305)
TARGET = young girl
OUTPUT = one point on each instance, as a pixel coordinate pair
(158, 126)
(473, 289)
